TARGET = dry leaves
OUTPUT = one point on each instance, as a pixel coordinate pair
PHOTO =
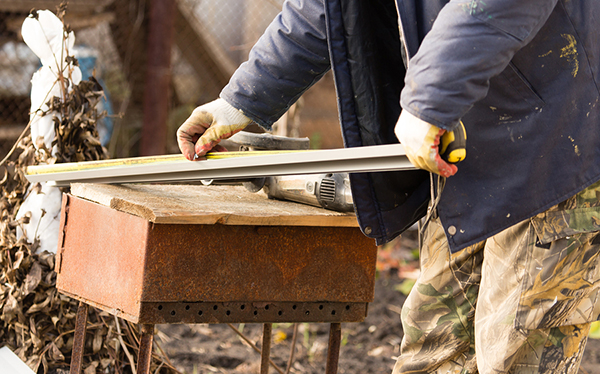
(37, 322)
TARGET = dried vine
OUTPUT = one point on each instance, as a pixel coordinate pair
(36, 321)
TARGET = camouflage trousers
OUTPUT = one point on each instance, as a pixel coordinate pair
(520, 302)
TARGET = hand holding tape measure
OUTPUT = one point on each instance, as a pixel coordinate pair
(429, 147)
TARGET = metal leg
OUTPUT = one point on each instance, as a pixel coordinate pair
(265, 351)
(145, 352)
(79, 338)
(333, 350)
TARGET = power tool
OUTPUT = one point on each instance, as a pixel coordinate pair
(329, 191)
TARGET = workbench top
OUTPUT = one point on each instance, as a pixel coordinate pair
(199, 204)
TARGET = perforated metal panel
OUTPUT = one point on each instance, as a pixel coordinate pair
(253, 312)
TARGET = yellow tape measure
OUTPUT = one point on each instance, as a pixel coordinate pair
(119, 162)
(453, 147)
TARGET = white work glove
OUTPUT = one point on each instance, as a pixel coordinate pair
(421, 142)
(207, 126)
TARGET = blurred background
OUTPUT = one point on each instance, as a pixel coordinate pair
(156, 60)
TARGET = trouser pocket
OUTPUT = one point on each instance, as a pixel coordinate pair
(561, 280)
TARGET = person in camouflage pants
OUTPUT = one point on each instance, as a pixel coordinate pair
(523, 299)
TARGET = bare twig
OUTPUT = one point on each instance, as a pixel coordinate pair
(395, 309)
(254, 347)
(292, 349)
(165, 357)
(16, 144)
(129, 356)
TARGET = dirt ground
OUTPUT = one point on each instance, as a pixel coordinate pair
(367, 347)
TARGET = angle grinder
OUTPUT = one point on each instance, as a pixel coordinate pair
(329, 191)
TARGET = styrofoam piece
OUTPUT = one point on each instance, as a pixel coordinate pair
(10, 363)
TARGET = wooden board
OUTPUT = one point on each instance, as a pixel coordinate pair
(198, 204)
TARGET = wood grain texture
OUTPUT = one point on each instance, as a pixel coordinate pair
(198, 204)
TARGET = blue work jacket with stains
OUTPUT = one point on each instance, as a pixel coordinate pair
(522, 75)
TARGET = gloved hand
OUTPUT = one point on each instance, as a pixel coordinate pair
(421, 142)
(207, 126)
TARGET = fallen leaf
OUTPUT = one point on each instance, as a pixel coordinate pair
(55, 353)
(91, 369)
(33, 278)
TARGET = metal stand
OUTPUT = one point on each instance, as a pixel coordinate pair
(79, 339)
(333, 349)
(265, 351)
(145, 351)
(142, 270)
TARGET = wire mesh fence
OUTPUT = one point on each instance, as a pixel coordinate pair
(211, 38)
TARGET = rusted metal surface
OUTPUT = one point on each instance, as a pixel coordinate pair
(252, 312)
(102, 257)
(145, 350)
(250, 263)
(64, 209)
(129, 266)
(79, 338)
(333, 349)
(265, 350)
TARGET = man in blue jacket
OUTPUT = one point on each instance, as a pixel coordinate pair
(509, 259)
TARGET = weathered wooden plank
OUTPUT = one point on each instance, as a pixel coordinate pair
(198, 204)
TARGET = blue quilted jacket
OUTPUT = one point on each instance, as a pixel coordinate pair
(522, 75)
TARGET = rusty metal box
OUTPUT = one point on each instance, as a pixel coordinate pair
(149, 254)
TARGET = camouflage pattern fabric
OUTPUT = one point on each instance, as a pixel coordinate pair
(520, 302)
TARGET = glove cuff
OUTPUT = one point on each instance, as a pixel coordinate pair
(233, 115)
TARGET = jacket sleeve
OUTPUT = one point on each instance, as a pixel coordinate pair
(469, 43)
(290, 57)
